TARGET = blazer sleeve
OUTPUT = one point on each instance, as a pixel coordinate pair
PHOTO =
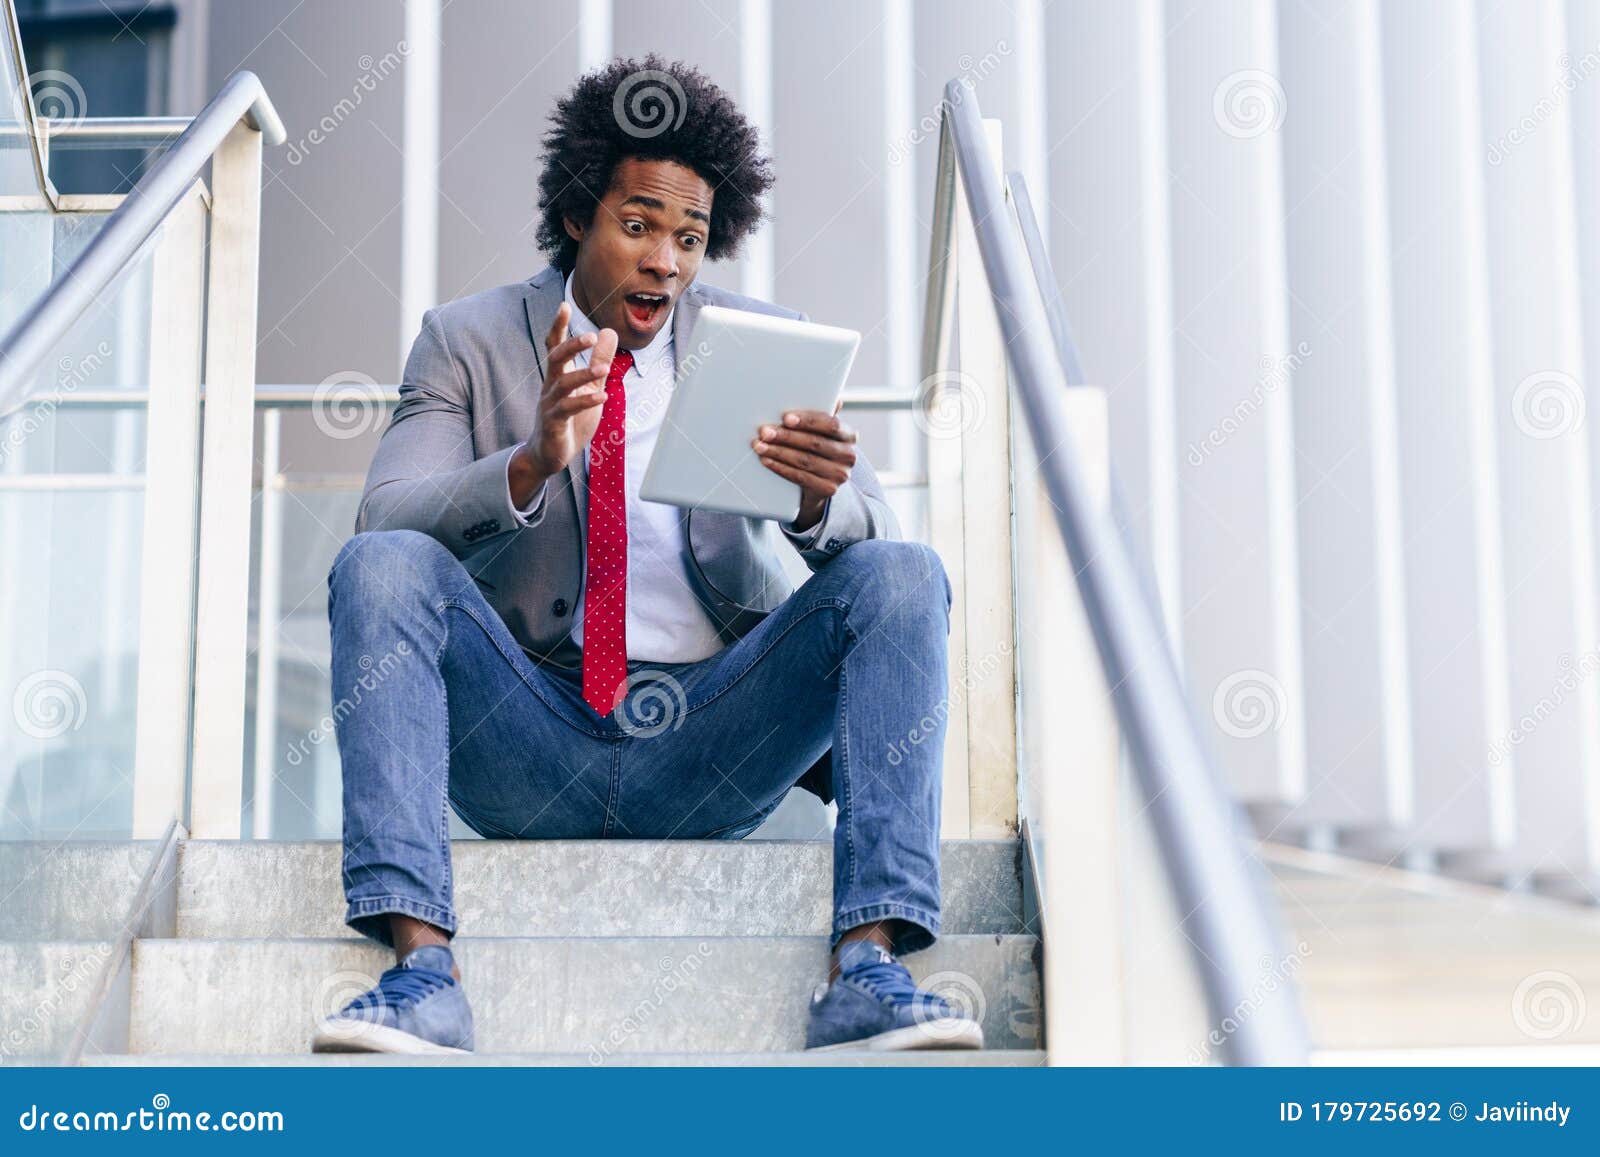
(858, 510)
(424, 475)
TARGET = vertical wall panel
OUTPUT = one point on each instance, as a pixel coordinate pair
(489, 154)
(1450, 493)
(1233, 379)
(1358, 734)
(1583, 71)
(330, 198)
(1546, 503)
(1109, 218)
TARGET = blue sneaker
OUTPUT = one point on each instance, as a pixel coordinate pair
(418, 1007)
(875, 1005)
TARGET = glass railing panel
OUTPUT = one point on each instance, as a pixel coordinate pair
(19, 167)
(88, 727)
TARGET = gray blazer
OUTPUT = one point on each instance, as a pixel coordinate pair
(469, 396)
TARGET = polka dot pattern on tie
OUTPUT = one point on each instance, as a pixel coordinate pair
(605, 599)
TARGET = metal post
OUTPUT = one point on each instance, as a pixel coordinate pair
(222, 613)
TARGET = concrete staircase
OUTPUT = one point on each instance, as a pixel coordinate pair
(614, 952)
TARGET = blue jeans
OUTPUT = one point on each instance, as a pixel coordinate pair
(436, 704)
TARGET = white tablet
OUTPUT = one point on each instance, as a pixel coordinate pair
(742, 370)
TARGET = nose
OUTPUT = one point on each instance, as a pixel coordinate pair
(662, 261)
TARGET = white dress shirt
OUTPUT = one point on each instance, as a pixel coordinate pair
(666, 623)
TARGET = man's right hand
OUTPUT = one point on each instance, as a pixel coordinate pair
(569, 406)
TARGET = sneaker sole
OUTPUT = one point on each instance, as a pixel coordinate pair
(361, 1037)
(940, 1034)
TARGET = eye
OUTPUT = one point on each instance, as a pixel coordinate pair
(631, 222)
(692, 239)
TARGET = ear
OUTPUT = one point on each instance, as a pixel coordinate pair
(574, 230)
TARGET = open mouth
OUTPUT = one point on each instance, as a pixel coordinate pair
(643, 307)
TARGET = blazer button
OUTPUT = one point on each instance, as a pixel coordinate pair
(559, 607)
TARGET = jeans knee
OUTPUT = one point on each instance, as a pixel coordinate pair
(900, 577)
(387, 565)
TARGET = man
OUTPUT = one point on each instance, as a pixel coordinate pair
(510, 609)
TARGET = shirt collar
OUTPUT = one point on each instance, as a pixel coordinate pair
(644, 360)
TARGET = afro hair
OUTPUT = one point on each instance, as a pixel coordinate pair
(653, 110)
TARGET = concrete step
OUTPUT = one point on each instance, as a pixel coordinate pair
(45, 992)
(594, 997)
(68, 889)
(265, 890)
(1397, 960)
(955, 1058)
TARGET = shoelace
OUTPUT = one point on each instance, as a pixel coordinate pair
(400, 987)
(889, 980)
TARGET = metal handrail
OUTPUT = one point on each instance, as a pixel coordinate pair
(133, 222)
(1196, 822)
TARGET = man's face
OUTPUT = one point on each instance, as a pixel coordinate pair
(647, 237)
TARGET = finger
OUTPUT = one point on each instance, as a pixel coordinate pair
(807, 482)
(570, 348)
(605, 347)
(839, 451)
(558, 327)
(576, 379)
(824, 468)
(818, 422)
(575, 404)
(554, 339)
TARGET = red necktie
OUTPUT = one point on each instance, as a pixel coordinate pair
(605, 598)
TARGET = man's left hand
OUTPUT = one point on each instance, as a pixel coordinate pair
(815, 450)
